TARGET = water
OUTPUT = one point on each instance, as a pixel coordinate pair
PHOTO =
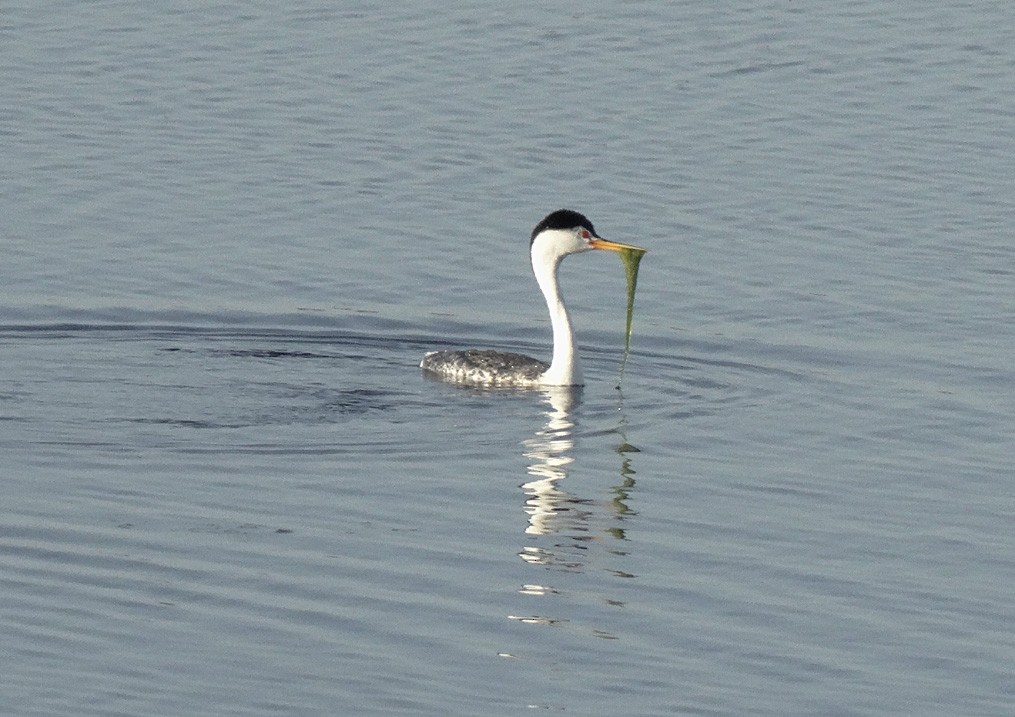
(230, 233)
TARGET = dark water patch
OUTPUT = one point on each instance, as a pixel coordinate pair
(178, 422)
(271, 354)
(293, 405)
(759, 68)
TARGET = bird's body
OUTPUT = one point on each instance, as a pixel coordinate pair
(486, 368)
(558, 235)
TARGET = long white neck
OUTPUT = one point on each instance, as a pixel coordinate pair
(564, 368)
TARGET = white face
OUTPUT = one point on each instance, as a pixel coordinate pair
(555, 244)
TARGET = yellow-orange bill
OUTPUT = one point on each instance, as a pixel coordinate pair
(613, 246)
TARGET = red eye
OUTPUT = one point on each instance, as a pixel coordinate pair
(585, 234)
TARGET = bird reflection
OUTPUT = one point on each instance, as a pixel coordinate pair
(549, 507)
(576, 522)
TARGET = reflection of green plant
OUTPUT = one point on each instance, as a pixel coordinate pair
(621, 492)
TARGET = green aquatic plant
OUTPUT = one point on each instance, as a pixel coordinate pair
(631, 256)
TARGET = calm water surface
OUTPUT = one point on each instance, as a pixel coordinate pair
(231, 232)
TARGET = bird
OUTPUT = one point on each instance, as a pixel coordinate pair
(560, 234)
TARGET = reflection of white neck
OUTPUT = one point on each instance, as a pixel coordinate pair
(548, 506)
(564, 368)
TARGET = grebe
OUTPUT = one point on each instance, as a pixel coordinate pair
(560, 234)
